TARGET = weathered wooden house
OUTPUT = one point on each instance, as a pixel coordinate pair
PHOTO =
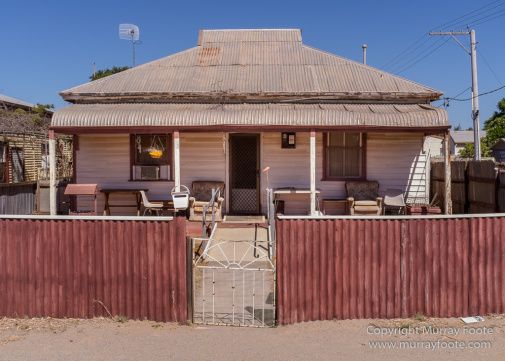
(24, 143)
(244, 100)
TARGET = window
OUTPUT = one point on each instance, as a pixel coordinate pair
(44, 155)
(344, 155)
(151, 156)
(3, 163)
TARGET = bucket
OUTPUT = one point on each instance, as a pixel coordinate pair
(180, 197)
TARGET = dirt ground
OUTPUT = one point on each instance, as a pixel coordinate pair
(120, 339)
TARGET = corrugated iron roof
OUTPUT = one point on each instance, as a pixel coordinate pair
(248, 35)
(465, 136)
(14, 101)
(247, 64)
(204, 115)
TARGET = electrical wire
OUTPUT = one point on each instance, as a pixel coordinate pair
(465, 19)
(481, 55)
(478, 96)
(406, 67)
(408, 57)
(415, 54)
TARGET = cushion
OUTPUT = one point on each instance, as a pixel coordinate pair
(362, 190)
(366, 209)
(202, 190)
(365, 203)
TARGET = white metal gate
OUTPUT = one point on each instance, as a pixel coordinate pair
(234, 284)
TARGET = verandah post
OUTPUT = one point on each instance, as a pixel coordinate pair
(177, 161)
(312, 172)
(447, 177)
(52, 173)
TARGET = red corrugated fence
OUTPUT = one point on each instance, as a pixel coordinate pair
(387, 268)
(86, 268)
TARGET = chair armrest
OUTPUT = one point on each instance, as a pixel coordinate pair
(350, 205)
(220, 201)
(379, 201)
(191, 202)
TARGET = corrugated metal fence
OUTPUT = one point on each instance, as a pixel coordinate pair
(85, 268)
(388, 268)
(17, 198)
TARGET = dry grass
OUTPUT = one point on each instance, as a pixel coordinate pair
(14, 329)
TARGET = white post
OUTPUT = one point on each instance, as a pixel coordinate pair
(447, 175)
(52, 173)
(475, 97)
(312, 172)
(177, 161)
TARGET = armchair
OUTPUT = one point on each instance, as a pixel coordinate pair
(363, 197)
(201, 193)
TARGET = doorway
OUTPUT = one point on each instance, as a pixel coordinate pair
(244, 173)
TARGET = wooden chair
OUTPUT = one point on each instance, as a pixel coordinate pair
(363, 197)
(89, 190)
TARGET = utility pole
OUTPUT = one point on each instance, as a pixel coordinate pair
(364, 46)
(475, 87)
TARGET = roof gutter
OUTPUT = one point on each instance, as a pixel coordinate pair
(224, 97)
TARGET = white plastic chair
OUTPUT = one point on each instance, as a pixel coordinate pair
(151, 207)
(394, 200)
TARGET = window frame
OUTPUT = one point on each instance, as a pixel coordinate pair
(169, 138)
(326, 176)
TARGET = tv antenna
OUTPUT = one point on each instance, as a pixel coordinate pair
(130, 32)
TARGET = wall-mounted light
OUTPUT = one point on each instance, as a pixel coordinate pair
(288, 140)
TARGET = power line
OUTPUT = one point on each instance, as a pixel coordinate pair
(478, 96)
(406, 67)
(489, 67)
(465, 19)
(414, 55)
(496, 16)
(418, 49)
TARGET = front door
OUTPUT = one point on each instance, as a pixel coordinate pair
(244, 174)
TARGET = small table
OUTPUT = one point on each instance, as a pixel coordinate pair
(133, 191)
(337, 206)
(279, 192)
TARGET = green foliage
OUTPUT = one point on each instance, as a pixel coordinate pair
(120, 319)
(495, 129)
(42, 109)
(495, 125)
(419, 317)
(467, 151)
(102, 73)
(458, 127)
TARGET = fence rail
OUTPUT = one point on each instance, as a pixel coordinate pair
(84, 268)
(387, 268)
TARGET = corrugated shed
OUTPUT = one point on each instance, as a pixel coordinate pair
(259, 63)
(303, 115)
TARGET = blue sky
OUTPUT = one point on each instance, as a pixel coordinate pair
(49, 46)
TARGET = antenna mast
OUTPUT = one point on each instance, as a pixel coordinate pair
(130, 32)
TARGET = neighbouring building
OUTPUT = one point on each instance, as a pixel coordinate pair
(24, 143)
(458, 140)
(498, 150)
